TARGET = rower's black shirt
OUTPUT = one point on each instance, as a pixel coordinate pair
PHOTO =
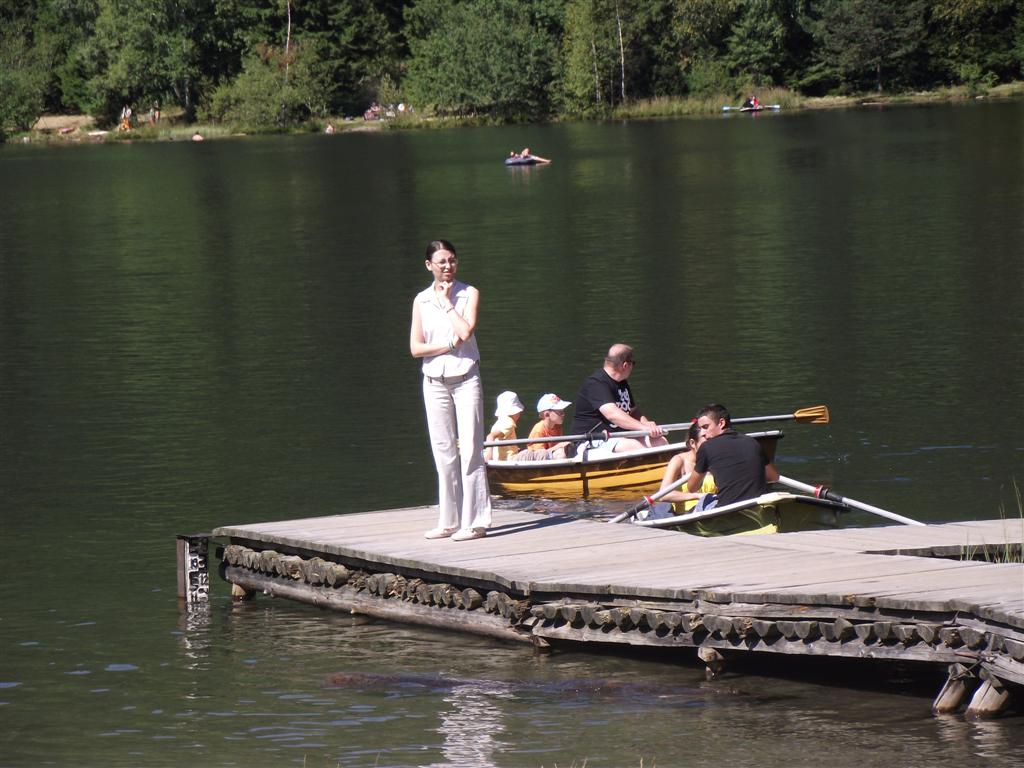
(598, 389)
(737, 462)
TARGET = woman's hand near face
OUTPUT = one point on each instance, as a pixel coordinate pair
(444, 292)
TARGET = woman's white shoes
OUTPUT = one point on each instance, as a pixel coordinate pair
(456, 534)
(439, 533)
(466, 534)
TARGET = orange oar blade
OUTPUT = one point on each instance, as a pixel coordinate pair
(816, 414)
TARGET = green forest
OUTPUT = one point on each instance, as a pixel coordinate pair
(277, 64)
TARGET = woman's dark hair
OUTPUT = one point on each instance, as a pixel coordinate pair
(439, 245)
(692, 433)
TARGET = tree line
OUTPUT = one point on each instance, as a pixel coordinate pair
(279, 63)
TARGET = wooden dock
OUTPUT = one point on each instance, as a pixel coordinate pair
(908, 593)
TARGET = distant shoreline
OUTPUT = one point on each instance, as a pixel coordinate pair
(81, 129)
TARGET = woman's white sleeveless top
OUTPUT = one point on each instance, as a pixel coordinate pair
(437, 329)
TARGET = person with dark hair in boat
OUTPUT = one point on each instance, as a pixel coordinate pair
(741, 471)
(683, 500)
(751, 103)
(605, 402)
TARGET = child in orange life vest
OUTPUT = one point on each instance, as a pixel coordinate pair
(552, 414)
(509, 409)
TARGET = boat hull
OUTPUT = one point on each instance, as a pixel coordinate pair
(624, 475)
(780, 513)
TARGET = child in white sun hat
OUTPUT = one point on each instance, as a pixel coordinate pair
(509, 409)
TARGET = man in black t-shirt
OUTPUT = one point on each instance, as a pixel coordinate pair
(740, 468)
(605, 402)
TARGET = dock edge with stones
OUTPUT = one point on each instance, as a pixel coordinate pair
(934, 594)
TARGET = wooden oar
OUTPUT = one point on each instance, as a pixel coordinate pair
(815, 414)
(822, 492)
(650, 501)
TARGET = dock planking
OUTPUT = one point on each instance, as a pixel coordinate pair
(894, 593)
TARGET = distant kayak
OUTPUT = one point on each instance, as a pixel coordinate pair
(759, 108)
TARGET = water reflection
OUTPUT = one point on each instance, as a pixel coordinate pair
(989, 739)
(194, 625)
(472, 724)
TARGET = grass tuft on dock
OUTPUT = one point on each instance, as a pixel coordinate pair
(1009, 552)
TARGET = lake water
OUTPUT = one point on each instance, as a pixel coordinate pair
(194, 335)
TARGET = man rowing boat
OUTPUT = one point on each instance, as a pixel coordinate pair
(605, 402)
(741, 470)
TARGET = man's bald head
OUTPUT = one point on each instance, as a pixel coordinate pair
(619, 354)
(619, 361)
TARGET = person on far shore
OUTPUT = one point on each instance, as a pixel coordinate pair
(443, 335)
(551, 409)
(605, 402)
(509, 409)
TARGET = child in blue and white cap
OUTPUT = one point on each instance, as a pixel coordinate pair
(509, 409)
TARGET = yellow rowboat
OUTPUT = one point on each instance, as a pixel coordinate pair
(621, 475)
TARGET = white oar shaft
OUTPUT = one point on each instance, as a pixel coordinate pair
(652, 499)
(599, 435)
(821, 492)
(602, 434)
(778, 417)
(605, 434)
(689, 517)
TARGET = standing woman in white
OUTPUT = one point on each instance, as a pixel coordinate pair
(442, 334)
